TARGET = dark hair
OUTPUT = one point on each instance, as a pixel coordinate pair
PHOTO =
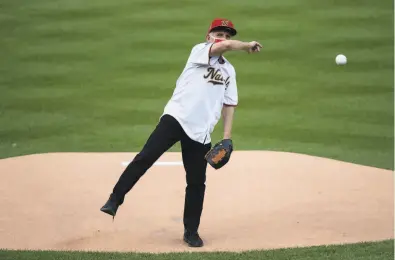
(223, 29)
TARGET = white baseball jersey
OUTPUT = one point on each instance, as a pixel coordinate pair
(204, 86)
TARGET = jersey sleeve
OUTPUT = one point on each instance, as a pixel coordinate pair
(231, 96)
(200, 54)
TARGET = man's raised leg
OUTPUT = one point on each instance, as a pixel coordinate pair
(166, 134)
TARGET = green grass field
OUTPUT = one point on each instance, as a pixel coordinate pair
(382, 250)
(95, 76)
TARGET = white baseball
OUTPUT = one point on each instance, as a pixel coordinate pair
(341, 59)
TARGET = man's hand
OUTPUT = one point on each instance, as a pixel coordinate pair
(254, 47)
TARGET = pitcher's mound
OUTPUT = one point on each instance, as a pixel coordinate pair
(259, 200)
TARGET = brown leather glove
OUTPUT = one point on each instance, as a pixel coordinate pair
(219, 154)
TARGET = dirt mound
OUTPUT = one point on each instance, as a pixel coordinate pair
(52, 202)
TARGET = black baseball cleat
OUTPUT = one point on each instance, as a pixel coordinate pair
(111, 206)
(193, 239)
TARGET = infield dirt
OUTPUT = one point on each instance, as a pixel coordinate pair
(259, 200)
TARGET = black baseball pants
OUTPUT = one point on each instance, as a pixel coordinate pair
(166, 134)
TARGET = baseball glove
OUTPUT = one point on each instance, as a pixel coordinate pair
(219, 155)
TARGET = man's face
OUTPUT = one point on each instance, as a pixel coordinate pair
(218, 35)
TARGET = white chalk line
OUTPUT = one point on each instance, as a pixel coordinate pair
(176, 163)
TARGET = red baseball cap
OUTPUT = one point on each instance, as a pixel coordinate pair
(222, 24)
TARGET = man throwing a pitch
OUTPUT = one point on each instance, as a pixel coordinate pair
(205, 89)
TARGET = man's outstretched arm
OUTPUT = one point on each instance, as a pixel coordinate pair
(234, 45)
